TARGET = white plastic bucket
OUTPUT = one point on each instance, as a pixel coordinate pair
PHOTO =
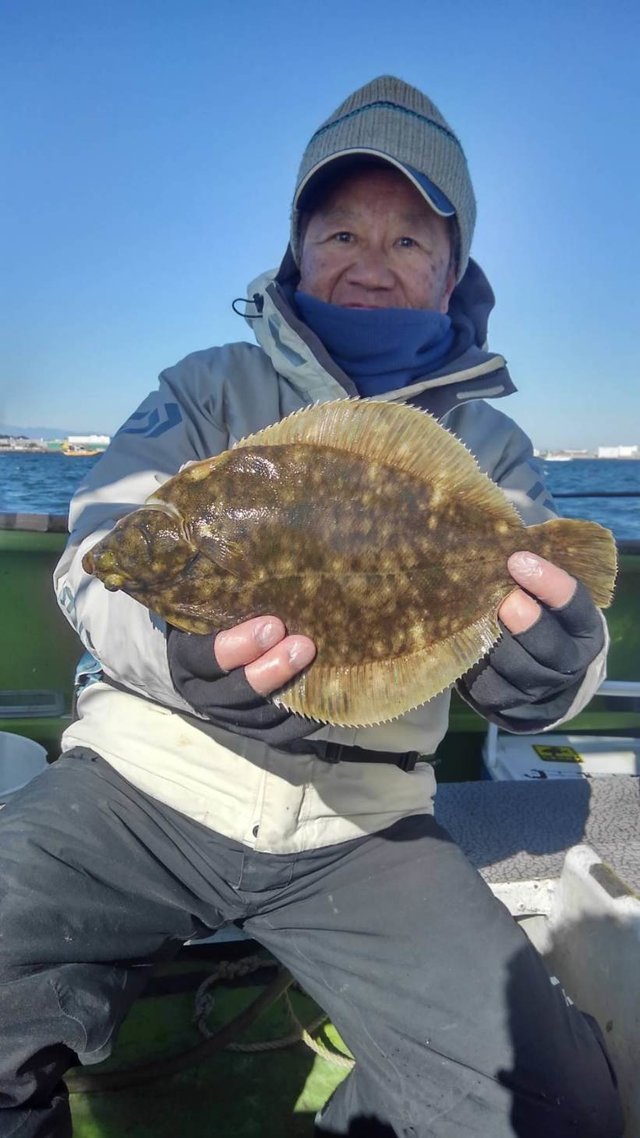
(21, 760)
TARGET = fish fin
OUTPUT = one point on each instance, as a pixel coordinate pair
(399, 436)
(228, 555)
(584, 549)
(366, 694)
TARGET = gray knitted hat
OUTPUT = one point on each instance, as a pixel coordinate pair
(390, 120)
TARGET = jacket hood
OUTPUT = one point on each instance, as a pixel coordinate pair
(469, 372)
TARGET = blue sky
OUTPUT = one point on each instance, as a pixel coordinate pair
(153, 146)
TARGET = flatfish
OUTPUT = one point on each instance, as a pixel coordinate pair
(365, 525)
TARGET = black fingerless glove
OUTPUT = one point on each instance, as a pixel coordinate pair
(227, 699)
(529, 681)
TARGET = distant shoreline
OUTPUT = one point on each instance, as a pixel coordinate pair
(49, 450)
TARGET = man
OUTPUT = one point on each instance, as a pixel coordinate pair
(185, 797)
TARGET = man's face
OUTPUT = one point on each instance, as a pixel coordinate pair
(375, 243)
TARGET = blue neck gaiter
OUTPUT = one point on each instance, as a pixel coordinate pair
(380, 349)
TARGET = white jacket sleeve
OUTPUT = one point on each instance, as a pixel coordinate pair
(180, 422)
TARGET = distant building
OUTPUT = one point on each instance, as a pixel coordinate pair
(562, 455)
(97, 441)
(20, 443)
(85, 445)
(619, 452)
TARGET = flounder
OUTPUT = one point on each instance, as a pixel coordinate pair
(363, 524)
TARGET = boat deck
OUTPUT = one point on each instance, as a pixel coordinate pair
(521, 831)
(564, 856)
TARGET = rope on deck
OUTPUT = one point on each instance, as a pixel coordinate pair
(87, 1083)
(205, 1001)
(224, 1038)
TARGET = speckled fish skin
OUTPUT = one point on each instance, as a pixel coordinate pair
(362, 524)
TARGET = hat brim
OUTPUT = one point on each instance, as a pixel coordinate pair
(434, 197)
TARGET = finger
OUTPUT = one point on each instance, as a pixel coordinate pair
(514, 677)
(519, 612)
(545, 581)
(246, 642)
(580, 617)
(280, 664)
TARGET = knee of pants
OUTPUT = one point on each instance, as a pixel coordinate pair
(95, 999)
(79, 1005)
(587, 1108)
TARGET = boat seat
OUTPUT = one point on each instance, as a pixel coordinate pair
(520, 831)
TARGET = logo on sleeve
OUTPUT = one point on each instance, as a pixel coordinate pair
(152, 424)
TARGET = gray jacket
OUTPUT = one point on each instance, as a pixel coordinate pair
(238, 786)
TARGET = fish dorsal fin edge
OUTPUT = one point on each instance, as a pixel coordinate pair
(397, 435)
(367, 694)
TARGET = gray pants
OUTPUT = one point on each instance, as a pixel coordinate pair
(451, 1016)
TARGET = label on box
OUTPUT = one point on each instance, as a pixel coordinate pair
(557, 754)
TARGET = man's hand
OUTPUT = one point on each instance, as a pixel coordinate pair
(227, 678)
(261, 646)
(550, 584)
(552, 632)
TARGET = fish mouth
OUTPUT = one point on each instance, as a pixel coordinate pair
(134, 556)
(101, 564)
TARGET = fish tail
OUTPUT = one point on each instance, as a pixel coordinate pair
(586, 550)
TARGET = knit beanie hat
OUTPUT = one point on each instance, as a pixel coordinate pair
(388, 119)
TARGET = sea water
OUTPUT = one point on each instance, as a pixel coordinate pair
(40, 483)
(583, 477)
(45, 483)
